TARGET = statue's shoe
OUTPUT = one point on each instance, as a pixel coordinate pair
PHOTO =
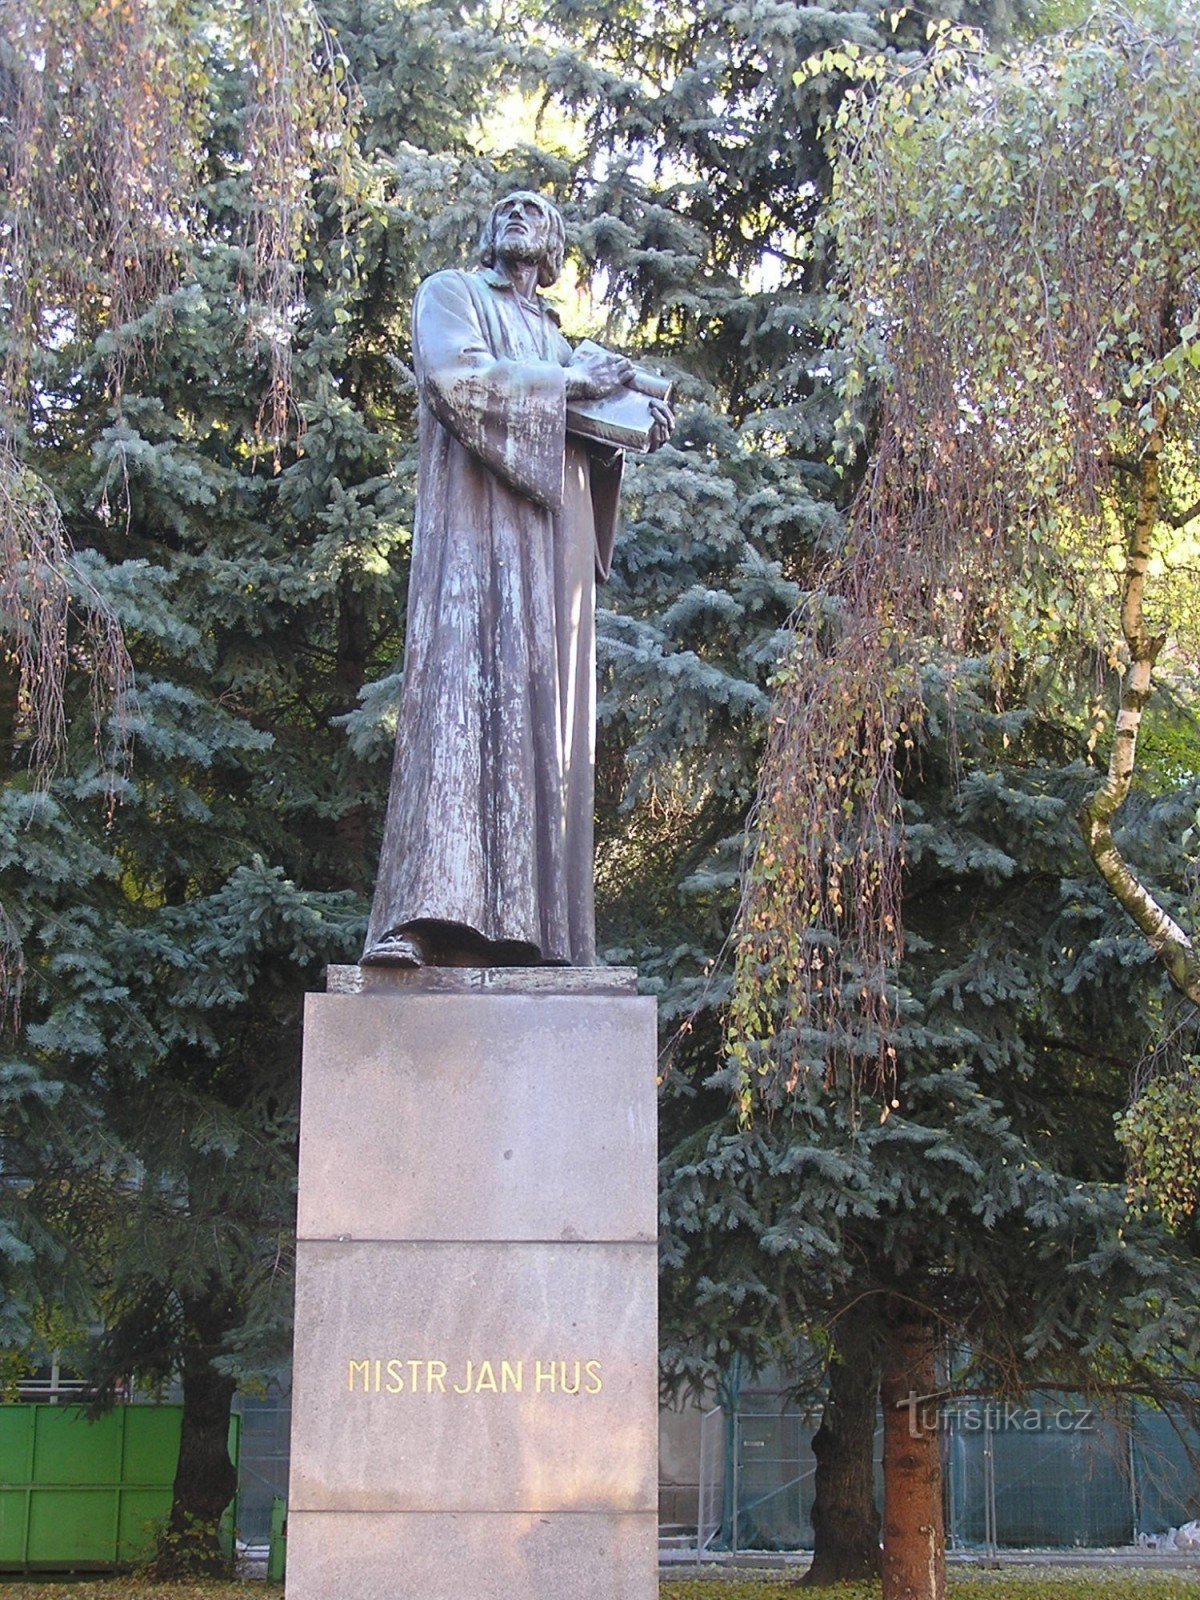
(397, 950)
(430, 943)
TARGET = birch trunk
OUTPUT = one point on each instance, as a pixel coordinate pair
(1170, 943)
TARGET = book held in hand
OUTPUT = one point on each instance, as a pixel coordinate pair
(623, 418)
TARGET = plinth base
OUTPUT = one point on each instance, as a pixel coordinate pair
(475, 1384)
(560, 1555)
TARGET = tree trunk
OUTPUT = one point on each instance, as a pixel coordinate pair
(845, 1516)
(350, 673)
(10, 684)
(914, 1531)
(205, 1479)
(1171, 943)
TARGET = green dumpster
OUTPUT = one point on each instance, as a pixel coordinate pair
(78, 1494)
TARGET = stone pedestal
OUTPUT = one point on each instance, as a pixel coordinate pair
(475, 1388)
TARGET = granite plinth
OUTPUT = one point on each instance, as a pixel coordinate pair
(475, 1393)
(472, 1556)
(508, 1379)
(462, 1116)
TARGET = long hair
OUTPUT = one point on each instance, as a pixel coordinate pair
(551, 263)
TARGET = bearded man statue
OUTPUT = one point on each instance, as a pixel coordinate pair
(487, 847)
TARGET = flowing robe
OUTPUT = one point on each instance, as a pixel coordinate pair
(488, 835)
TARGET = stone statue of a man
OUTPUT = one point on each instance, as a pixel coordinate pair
(487, 846)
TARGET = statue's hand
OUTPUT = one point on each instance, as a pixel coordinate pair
(594, 373)
(664, 423)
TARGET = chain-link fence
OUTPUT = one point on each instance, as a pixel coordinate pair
(263, 1465)
(1050, 1472)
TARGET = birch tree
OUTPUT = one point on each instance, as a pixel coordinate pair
(1020, 247)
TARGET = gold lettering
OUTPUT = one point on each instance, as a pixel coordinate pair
(543, 1373)
(476, 1377)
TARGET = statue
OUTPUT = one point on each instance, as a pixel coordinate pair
(487, 845)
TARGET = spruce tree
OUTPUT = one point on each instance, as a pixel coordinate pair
(984, 519)
(168, 931)
(987, 1210)
(707, 181)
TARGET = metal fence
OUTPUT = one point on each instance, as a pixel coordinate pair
(263, 1474)
(711, 1499)
(1047, 1473)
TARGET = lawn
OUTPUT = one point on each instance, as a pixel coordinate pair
(1115, 1583)
(137, 1589)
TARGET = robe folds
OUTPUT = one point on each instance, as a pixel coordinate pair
(488, 834)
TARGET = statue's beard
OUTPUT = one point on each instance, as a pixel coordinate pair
(528, 252)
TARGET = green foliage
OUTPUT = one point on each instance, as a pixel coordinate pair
(992, 1194)
(1065, 211)
(148, 1090)
(700, 175)
(108, 115)
(98, 225)
(1016, 243)
(1161, 1135)
(700, 157)
(185, 1550)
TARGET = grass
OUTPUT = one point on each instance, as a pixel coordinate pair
(1116, 1583)
(137, 1589)
(1096, 1583)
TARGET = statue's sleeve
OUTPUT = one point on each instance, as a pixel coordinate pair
(511, 414)
(606, 469)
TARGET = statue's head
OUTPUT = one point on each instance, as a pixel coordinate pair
(525, 227)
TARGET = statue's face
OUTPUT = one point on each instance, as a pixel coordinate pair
(522, 228)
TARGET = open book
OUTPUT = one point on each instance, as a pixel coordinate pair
(622, 418)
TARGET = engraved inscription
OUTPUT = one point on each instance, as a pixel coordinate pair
(391, 1375)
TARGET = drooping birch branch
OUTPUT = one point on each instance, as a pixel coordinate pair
(1169, 941)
